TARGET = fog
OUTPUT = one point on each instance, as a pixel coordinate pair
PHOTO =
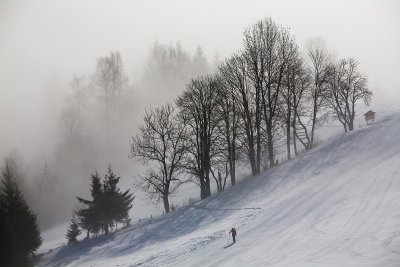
(44, 43)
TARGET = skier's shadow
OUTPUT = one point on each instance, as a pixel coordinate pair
(227, 246)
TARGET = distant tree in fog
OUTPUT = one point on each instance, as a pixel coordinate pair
(162, 144)
(73, 231)
(19, 230)
(110, 79)
(346, 86)
(169, 67)
(72, 114)
(167, 64)
(200, 64)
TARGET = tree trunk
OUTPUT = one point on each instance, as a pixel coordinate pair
(203, 190)
(208, 188)
(252, 157)
(258, 162)
(294, 136)
(270, 144)
(351, 124)
(166, 202)
(232, 168)
(314, 121)
(288, 138)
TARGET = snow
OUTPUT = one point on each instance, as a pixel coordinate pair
(337, 205)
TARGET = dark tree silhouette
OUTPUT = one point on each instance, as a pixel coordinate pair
(162, 143)
(108, 207)
(73, 231)
(199, 106)
(19, 231)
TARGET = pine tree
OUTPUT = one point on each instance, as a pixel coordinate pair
(90, 216)
(19, 230)
(108, 207)
(73, 231)
(117, 203)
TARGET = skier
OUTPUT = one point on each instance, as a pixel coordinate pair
(233, 231)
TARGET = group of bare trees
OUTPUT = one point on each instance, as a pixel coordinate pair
(263, 96)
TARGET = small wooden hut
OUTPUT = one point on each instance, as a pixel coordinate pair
(369, 116)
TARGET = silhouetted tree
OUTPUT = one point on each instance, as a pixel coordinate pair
(320, 62)
(269, 50)
(227, 134)
(346, 86)
(109, 204)
(198, 104)
(162, 142)
(91, 214)
(73, 231)
(234, 74)
(19, 231)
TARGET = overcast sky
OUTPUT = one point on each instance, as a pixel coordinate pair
(44, 43)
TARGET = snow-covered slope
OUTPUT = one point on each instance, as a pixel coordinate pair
(338, 205)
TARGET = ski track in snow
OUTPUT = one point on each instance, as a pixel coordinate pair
(337, 205)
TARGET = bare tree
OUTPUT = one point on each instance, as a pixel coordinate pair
(346, 87)
(256, 65)
(199, 105)
(162, 144)
(295, 107)
(170, 66)
(234, 74)
(72, 115)
(110, 79)
(268, 51)
(320, 62)
(301, 106)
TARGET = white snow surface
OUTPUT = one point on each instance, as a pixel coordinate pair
(337, 205)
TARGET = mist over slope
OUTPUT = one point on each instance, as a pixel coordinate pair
(336, 205)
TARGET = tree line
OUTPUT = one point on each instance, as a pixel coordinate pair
(265, 99)
(265, 95)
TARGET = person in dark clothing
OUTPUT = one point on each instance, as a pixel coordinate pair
(233, 231)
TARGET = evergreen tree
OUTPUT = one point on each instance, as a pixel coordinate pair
(19, 230)
(73, 231)
(108, 206)
(90, 216)
(117, 203)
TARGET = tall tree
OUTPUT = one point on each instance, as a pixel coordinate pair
(19, 231)
(110, 79)
(292, 109)
(346, 87)
(90, 215)
(269, 49)
(162, 140)
(234, 74)
(198, 104)
(256, 65)
(320, 62)
(232, 82)
(300, 92)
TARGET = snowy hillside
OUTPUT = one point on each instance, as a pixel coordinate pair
(338, 205)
